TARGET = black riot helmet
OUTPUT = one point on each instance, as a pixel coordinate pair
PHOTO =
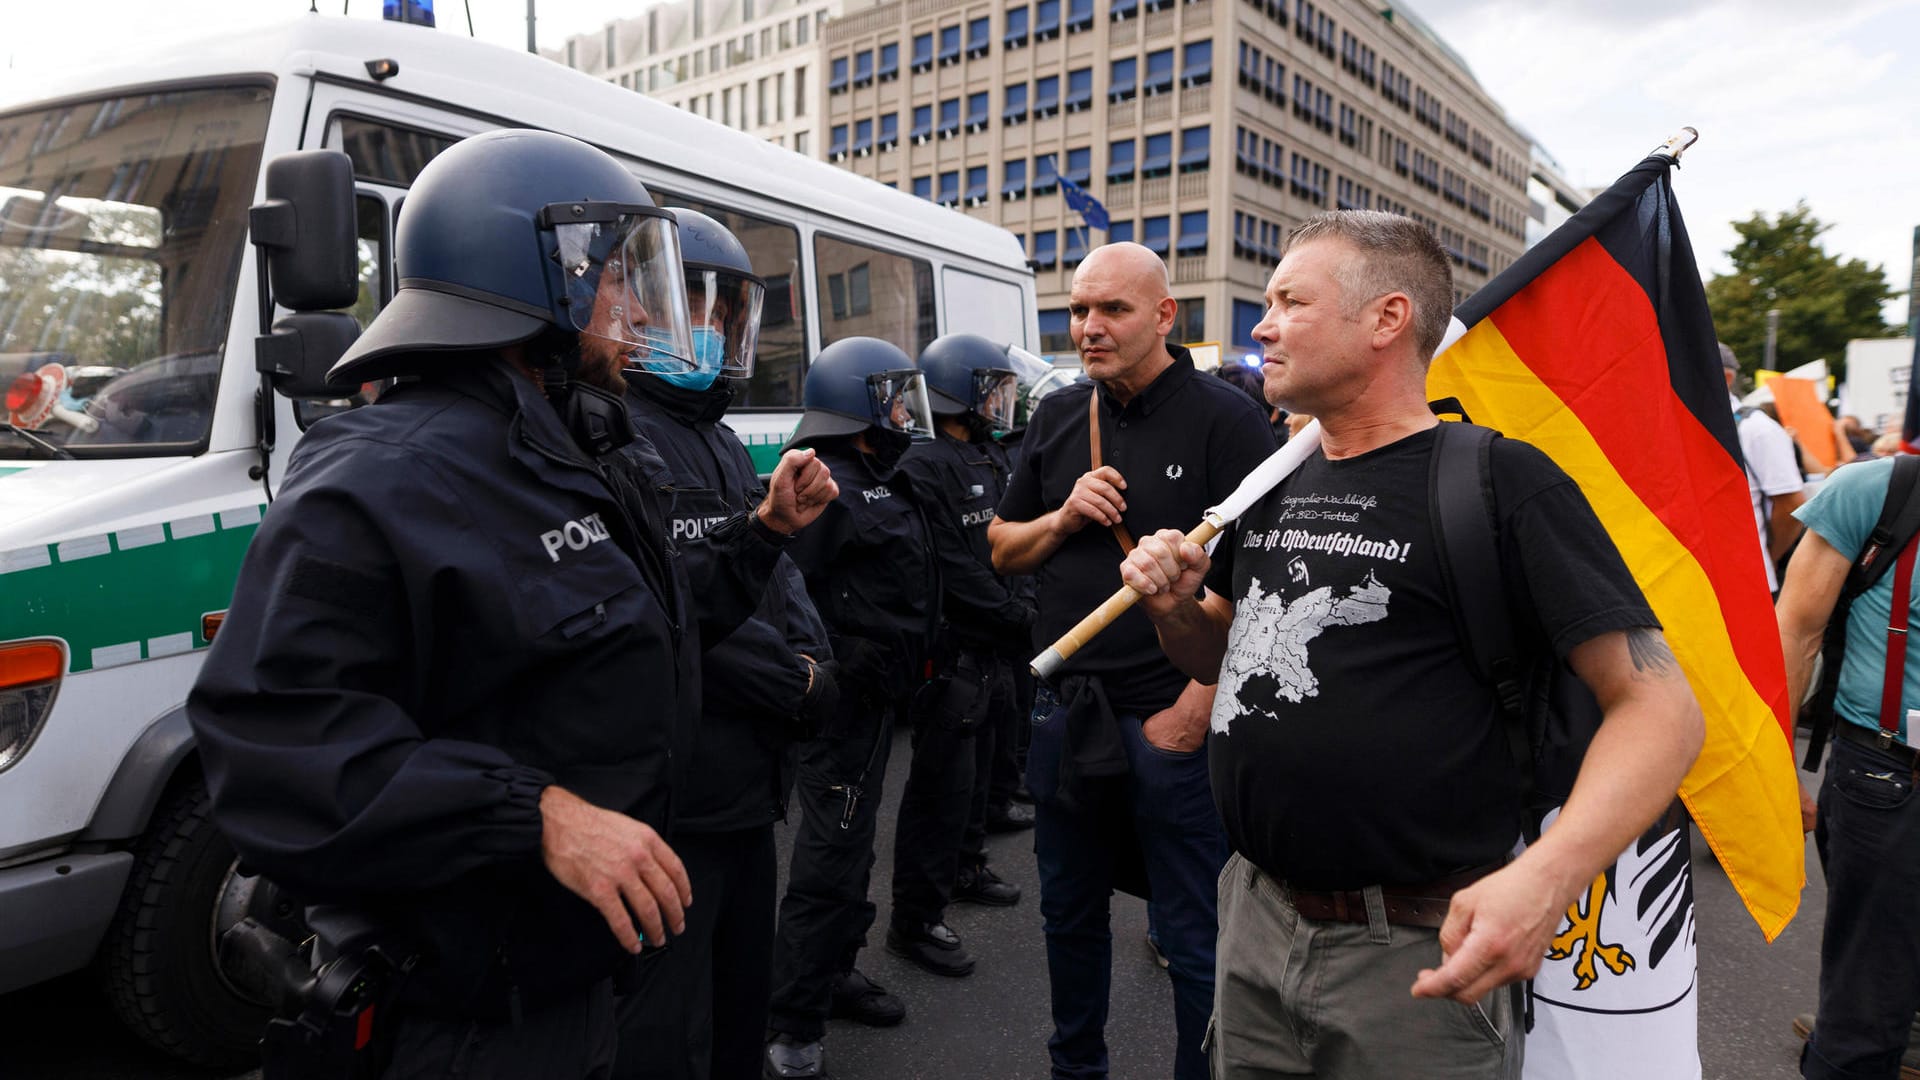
(967, 375)
(724, 299)
(862, 383)
(512, 233)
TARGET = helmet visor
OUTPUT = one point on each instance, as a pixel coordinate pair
(620, 265)
(725, 308)
(1037, 379)
(900, 403)
(996, 394)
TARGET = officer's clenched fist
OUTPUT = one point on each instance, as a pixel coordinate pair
(615, 863)
(800, 488)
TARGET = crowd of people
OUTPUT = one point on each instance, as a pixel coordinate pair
(526, 664)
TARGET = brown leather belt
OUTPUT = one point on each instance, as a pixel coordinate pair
(1406, 905)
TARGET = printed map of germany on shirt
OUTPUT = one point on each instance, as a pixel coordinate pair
(1267, 646)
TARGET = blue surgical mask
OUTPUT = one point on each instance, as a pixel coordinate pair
(709, 349)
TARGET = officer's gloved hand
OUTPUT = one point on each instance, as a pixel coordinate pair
(822, 700)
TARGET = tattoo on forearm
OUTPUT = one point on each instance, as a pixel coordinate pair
(1649, 651)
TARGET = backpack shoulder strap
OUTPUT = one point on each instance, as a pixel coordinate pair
(1460, 494)
(1898, 523)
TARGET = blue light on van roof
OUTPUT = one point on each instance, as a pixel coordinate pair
(418, 12)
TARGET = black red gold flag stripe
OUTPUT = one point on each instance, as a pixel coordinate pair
(1597, 347)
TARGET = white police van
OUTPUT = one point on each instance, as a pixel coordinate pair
(136, 462)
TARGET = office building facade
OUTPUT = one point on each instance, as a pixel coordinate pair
(1206, 128)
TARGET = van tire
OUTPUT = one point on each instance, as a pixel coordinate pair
(158, 960)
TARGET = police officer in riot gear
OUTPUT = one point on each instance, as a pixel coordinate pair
(869, 566)
(960, 716)
(443, 706)
(700, 1008)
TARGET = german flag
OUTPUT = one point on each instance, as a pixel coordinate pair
(1597, 347)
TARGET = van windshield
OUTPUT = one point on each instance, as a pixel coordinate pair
(123, 221)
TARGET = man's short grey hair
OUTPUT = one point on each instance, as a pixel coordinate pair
(1397, 254)
(1728, 361)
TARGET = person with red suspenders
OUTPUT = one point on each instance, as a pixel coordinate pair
(1867, 825)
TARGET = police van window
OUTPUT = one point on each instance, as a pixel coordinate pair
(980, 305)
(780, 361)
(376, 288)
(386, 153)
(866, 292)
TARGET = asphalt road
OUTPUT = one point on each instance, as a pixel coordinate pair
(993, 1025)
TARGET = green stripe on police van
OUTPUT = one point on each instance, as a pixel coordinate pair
(765, 451)
(10, 472)
(135, 594)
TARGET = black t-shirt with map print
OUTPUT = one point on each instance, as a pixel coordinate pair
(1352, 745)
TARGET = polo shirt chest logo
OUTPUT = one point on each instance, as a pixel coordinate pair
(1175, 472)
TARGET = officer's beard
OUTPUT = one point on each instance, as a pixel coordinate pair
(601, 363)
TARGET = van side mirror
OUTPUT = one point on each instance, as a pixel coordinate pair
(305, 230)
(301, 350)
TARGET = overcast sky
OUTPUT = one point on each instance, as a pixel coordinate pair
(1793, 99)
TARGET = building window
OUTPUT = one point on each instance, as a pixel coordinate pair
(1016, 35)
(886, 296)
(1122, 10)
(802, 29)
(1080, 166)
(1046, 20)
(838, 80)
(922, 52)
(1123, 79)
(1016, 108)
(1197, 64)
(949, 45)
(1015, 185)
(949, 118)
(1246, 316)
(837, 142)
(1159, 78)
(1157, 160)
(1120, 232)
(922, 123)
(1154, 235)
(1120, 162)
(863, 137)
(976, 185)
(1076, 249)
(1079, 89)
(889, 62)
(1195, 148)
(803, 142)
(1056, 335)
(977, 107)
(1193, 233)
(923, 187)
(1079, 15)
(1189, 321)
(1046, 96)
(1046, 248)
(800, 91)
(1045, 176)
(979, 37)
(889, 131)
(950, 188)
(863, 68)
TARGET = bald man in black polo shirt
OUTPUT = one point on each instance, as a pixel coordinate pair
(1118, 766)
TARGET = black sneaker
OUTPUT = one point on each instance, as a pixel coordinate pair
(1011, 818)
(788, 1058)
(863, 1001)
(980, 885)
(932, 946)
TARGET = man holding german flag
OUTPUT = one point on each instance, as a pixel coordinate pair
(1361, 768)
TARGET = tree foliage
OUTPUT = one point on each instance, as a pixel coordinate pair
(1824, 301)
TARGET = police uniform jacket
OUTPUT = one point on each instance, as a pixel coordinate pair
(959, 483)
(446, 610)
(739, 770)
(868, 563)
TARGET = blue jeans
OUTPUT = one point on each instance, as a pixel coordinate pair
(1869, 844)
(1166, 805)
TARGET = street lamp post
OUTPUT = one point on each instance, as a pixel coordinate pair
(1773, 323)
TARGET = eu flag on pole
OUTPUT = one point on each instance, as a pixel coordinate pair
(1087, 206)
